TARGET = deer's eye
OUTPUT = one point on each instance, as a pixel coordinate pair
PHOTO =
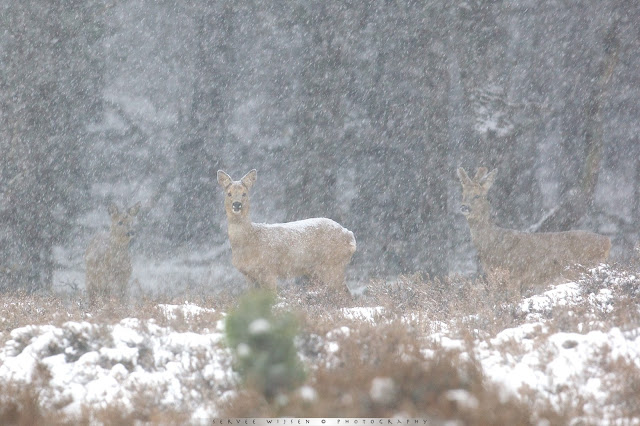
(229, 194)
(244, 194)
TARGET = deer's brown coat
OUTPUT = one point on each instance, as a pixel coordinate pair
(107, 258)
(532, 259)
(317, 248)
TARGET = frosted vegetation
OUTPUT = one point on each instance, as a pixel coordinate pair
(413, 347)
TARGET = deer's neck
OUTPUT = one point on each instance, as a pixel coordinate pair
(240, 231)
(480, 228)
(483, 231)
(118, 249)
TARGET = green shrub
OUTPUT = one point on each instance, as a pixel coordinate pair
(263, 345)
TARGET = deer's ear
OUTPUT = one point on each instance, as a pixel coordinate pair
(480, 173)
(133, 210)
(224, 179)
(249, 179)
(488, 179)
(463, 176)
(113, 209)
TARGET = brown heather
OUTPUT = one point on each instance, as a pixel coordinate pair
(418, 386)
(426, 379)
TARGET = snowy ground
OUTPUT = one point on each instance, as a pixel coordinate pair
(95, 365)
(560, 367)
(99, 365)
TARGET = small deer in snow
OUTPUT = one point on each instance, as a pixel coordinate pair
(107, 259)
(316, 248)
(531, 259)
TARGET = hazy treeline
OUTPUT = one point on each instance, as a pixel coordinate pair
(358, 111)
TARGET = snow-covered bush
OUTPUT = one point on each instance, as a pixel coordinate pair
(263, 345)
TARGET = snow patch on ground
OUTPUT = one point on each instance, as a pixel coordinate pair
(535, 363)
(368, 314)
(186, 310)
(557, 367)
(100, 365)
(561, 295)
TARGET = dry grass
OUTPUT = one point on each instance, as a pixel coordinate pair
(475, 308)
(146, 403)
(486, 305)
(380, 371)
(606, 302)
(21, 309)
(23, 408)
(624, 385)
(20, 404)
(382, 368)
(481, 305)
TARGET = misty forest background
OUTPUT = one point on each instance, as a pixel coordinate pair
(357, 111)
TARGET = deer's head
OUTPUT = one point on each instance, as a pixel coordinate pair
(122, 222)
(236, 194)
(475, 205)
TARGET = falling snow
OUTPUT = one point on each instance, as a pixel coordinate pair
(360, 112)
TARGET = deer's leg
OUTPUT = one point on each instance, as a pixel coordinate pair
(269, 282)
(333, 277)
(122, 292)
(95, 284)
(90, 285)
(264, 281)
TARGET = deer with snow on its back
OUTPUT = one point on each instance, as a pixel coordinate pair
(531, 259)
(316, 248)
(107, 258)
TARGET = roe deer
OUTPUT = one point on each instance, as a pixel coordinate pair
(107, 259)
(531, 259)
(316, 248)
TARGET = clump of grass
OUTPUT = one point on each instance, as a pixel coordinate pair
(20, 309)
(624, 385)
(145, 408)
(488, 305)
(608, 298)
(20, 403)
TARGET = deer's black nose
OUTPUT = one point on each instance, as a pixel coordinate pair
(237, 206)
